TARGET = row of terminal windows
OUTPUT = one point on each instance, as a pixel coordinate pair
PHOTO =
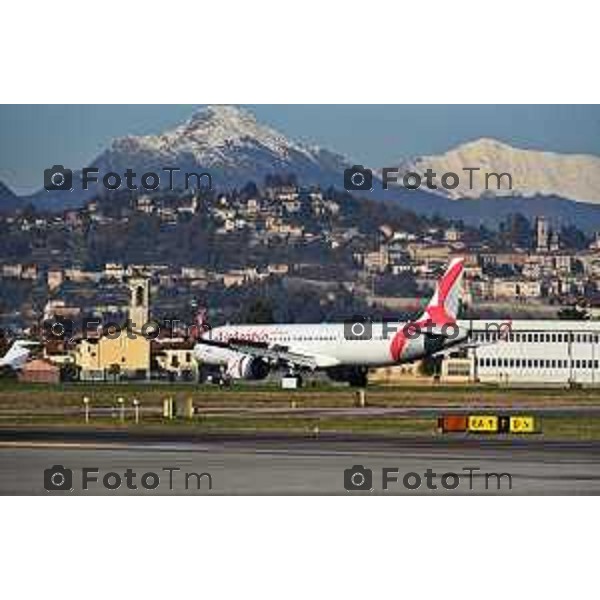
(535, 338)
(458, 370)
(535, 363)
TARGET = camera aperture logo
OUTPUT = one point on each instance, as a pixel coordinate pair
(59, 478)
(59, 178)
(357, 178)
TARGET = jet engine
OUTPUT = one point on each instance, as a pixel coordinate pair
(247, 367)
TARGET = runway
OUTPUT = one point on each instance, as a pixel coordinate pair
(292, 465)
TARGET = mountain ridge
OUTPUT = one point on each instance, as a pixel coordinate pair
(573, 176)
(231, 144)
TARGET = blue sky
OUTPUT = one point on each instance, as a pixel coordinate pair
(33, 137)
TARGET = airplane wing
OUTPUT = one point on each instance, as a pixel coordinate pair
(17, 355)
(284, 355)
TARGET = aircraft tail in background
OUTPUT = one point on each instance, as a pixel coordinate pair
(18, 354)
(444, 304)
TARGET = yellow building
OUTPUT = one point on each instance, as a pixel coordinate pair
(107, 358)
(177, 360)
(125, 354)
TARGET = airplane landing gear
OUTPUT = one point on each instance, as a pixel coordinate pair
(354, 376)
(359, 378)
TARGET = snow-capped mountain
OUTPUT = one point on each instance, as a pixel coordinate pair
(534, 173)
(229, 143)
(225, 141)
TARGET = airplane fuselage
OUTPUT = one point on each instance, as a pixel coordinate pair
(332, 344)
(249, 351)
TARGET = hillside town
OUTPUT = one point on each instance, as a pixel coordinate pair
(315, 255)
(278, 253)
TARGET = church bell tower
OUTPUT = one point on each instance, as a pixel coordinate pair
(139, 305)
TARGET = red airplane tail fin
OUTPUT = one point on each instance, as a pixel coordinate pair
(444, 304)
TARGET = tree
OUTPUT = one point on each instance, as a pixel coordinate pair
(573, 313)
(4, 342)
(114, 371)
(401, 285)
(250, 190)
(430, 366)
(517, 230)
(573, 238)
(259, 312)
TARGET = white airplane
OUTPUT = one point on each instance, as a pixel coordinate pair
(345, 351)
(17, 355)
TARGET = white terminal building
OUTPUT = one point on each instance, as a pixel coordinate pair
(528, 352)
